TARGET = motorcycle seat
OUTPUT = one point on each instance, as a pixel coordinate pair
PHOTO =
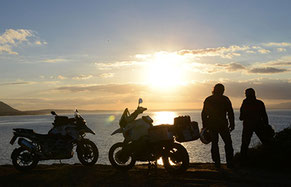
(20, 130)
(41, 135)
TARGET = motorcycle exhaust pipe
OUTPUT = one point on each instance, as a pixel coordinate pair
(26, 144)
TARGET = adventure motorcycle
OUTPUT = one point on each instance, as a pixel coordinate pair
(145, 142)
(56, 145)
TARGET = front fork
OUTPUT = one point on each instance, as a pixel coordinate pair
(126, 148)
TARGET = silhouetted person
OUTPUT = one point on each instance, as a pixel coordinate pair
(216, 108)
(254, 116)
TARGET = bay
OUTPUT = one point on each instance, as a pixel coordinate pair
(106, 122)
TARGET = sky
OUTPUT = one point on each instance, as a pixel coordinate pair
(104, 55)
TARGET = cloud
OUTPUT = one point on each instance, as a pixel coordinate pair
(192, 95)
(267, 70)
(106, 66)
(275, 44)
(54, 60)
(16, 83)
(223, 52)
(40, 42)
(82, 77)
(281, 49)
(232, 66)
(7, 49)
(265, 88)
(106, 75)
(61, 77)
(283, 61)
(271, 89)
(106, 88)
(13, 38)
(250, 51)
(264, 51)
(214, 68)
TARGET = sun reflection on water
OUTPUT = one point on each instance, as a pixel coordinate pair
(164, 117)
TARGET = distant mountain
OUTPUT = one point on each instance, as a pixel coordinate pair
(281, 106)
(8, 110)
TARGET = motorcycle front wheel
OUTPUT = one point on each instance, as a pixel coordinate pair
(23, 160)
(119, 159)
(87, 152)
(176, 159)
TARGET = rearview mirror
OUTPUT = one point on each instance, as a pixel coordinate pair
(140, 101)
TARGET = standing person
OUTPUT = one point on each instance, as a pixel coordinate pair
(216, 108)
(254, 116)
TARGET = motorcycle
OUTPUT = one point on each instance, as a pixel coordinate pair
(58, 144)
(147, 143)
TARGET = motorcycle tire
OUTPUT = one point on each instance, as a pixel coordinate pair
(87, 152)
(120, 164)
(176, 159)
(24, 160)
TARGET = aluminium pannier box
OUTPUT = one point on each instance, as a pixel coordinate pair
(185, 130)
(160, 133)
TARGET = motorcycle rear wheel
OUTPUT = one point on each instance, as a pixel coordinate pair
(87, 152)
(176, 159)
(119, 161)
(24, 160)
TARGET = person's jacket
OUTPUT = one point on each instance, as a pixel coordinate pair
(215, 110)
(253, 112)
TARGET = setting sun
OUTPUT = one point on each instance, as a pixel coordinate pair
(166, 70)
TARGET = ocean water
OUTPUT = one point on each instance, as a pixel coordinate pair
(105, 123)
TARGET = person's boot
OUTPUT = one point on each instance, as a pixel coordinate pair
(230, 165)
(217, 165)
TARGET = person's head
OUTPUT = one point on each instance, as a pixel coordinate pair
(218, 89)
(250, 93)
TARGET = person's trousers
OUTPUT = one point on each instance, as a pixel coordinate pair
(225, 135)
(247, 134)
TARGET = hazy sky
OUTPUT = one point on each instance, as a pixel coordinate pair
(107, 54)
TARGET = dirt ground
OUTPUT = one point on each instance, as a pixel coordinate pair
(202, 174)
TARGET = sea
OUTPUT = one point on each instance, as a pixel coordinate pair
(104, 123)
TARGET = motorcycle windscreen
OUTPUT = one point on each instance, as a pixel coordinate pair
(87, 130)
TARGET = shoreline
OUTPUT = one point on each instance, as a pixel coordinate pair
(198, 174)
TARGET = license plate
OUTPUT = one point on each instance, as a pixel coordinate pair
(13, 140)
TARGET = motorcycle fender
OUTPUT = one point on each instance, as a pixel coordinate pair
(13, 153)
(13, 140)
(120, 130)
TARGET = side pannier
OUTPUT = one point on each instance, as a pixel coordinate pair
(185, 129)
(160, 133)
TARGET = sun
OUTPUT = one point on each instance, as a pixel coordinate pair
(166, 70)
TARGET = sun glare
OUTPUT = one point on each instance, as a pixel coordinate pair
(164, 117)
(166, 70)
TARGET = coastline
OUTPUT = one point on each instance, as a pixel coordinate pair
(198, 174)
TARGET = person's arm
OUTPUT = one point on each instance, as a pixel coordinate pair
(230, 115)
(242, 112)
(265, 119)
(204, 115)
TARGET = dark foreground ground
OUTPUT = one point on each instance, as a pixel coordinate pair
(105, 175)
